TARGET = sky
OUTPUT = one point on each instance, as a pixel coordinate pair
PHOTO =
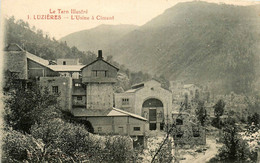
(136, 12)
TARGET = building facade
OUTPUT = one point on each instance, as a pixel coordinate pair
(148, 100)
(84, 90)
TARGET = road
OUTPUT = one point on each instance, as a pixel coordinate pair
(206, 156)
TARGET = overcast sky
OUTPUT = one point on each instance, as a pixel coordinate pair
(136, 12)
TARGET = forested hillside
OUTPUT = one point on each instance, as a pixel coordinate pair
(36, 42)
(98, 37)
(197, 42)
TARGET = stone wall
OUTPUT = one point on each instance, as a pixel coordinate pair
(118, 125)
(37, 70)
(99, 96)
(88, 73)
(64, 85)
(68, 61)
(156, 92)
(119, 101)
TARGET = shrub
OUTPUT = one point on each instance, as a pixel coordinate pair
(235, 149)
(77, 144)
(18, 147)
(117, 149)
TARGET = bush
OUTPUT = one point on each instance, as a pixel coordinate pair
(77, 144)
(18, 147)
(71, 139)
(117, 149)
(235, 149)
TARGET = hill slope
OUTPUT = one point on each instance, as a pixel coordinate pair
(98, 37)
(196, 42)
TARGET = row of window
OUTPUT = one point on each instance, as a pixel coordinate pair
(99, 73)
(125, 101)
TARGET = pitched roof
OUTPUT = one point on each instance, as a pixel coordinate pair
(119, 112)
(133, 90)
(66, 68)
(100, 60)
(111, 112)
(138, 86)
(37, 59)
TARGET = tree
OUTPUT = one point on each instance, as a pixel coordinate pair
(235, 149)
(25, 106)
(201, 113)
(218, 111)
(253, 123)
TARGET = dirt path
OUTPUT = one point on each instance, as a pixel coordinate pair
(203, 157)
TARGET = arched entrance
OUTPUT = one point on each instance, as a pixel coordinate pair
(152, 109)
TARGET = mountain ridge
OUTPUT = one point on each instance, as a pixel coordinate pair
(97, 37)
(196, 42)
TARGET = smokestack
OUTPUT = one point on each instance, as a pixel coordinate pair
(99, 54)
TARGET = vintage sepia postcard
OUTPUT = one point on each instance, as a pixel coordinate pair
(146, 81)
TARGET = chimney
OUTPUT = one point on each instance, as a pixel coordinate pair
(99, 54)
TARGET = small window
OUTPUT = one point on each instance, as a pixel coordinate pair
(152, 126)
(161, 126)
(99, 73)
(79, 98)
(77, 85)
(136, 128)
(120, 130)
(99, 129)
(55, 90)
(125, 101)
(179, 122)
(64, 62)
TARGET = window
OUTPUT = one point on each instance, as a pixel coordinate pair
(161, 126)
(64, 62)
(77, 85)
(125, 101)
(55, 89)
(120, 130)
(99, 73)
(179, 122)
(79, 98)
(136, 128)
(152, 126)
(99, 129)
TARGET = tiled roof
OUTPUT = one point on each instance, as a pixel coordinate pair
(66, 68)
(37, 59)
(112, 112)
(119, 112)
(100, 60)
(132, 90)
